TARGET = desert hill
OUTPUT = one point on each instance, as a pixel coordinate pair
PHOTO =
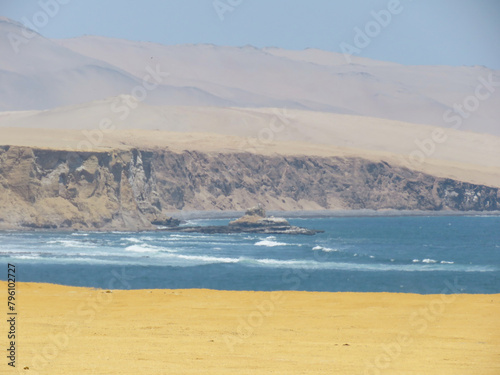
(59, 73)
(463, 155)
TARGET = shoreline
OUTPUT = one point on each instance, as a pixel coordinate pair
(304, 214)
(264, 292)
(166, 331)
(313, 214)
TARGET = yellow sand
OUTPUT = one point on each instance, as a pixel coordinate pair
(214, 332)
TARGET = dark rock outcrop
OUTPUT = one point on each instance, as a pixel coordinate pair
(254, 221)
(167, 222)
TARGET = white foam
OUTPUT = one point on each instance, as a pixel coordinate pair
(415, 260)
(313, 265)
(144, 248)
(80, 234)
(70, 243)
(429, 261)
(133, 239)
(207, 259)
(325, 249)
(139, 239)
(34, 256)
(270, 242)
(178, 237)
(286, 263)
(190, 223)
(447, 262)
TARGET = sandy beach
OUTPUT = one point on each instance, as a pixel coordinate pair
(69, 330)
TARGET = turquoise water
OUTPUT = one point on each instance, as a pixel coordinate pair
(392, 254)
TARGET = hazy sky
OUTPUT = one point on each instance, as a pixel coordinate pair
(444, 32)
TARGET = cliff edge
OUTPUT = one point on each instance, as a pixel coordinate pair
(133, 189)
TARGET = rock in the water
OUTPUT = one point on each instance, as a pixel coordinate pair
(256, 216)
(166, 222)
(252, 222)
(256, 211)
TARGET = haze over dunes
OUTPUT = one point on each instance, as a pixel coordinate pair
(66, 72)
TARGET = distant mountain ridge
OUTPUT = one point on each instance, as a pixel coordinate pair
(49, 73)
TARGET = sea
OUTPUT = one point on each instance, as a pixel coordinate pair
(423, 254)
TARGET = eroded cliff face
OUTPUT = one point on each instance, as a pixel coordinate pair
(130, 189)
(197, 181)
(64, 189)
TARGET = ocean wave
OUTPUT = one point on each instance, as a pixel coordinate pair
(90, 260)
(80, 234)
(446, 262)
(270, 242)
(145, 248)
(208, 259)
(346, 266)
(71, 243)
(133, 239)
(180, 237)
(140, 239)
(325, 249)
(429, 261)
(192, 222)
(33, 256)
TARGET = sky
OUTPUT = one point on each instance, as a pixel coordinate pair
(415, 32)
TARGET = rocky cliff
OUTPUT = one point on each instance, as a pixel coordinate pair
(61, 189)
(130, 189)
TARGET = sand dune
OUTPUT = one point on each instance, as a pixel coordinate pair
(465, 156)
(38, 73)
(58, 73)
(88, 331)
(310, 79)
